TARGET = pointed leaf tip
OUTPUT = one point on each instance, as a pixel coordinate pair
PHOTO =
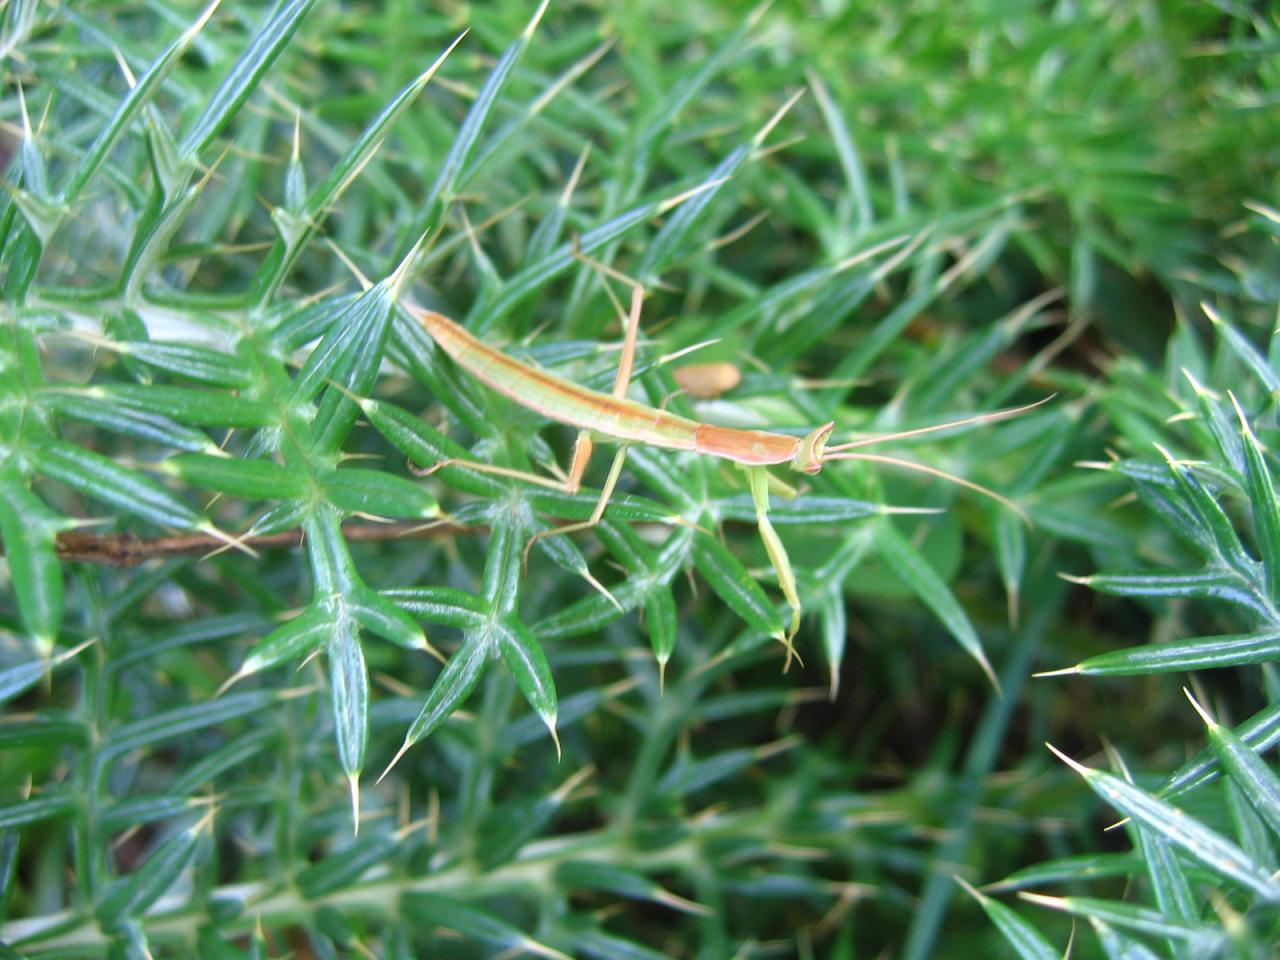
(195, 28)
(1204, 714)
(404, 748)
(555, 737)
(536, 19)
(1077, 767)
(763, 133)
(404, 271)
(353, 781)
(1064, 671)
(228, 683)
(969, 888)
(989, 672)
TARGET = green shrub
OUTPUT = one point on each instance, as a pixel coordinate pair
(230, 605)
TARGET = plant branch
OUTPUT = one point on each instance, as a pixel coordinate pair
(128, 549)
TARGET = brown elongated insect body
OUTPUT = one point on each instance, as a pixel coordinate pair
(613, 416)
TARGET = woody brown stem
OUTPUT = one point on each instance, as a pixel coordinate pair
(128, 549)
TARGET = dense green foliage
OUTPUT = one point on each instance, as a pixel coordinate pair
(227, 604)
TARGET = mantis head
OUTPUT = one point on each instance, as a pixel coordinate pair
(808, 458)
(813, 451)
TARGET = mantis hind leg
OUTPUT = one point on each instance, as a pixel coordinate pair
(570, 484)
(758, 479)
(606, 492)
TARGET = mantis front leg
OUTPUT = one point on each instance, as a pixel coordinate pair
(758, 480)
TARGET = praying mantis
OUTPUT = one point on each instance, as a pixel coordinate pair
(616, 418)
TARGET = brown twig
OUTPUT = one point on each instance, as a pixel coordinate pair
(127, 549)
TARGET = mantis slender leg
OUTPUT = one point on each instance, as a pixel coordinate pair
(627, 361)
(606, 492)
(570, 484)
(493, 470)
(582, 451)
(758, 479)
(581, 454)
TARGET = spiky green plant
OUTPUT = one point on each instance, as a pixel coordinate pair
(209, 388)
(1206, 842)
